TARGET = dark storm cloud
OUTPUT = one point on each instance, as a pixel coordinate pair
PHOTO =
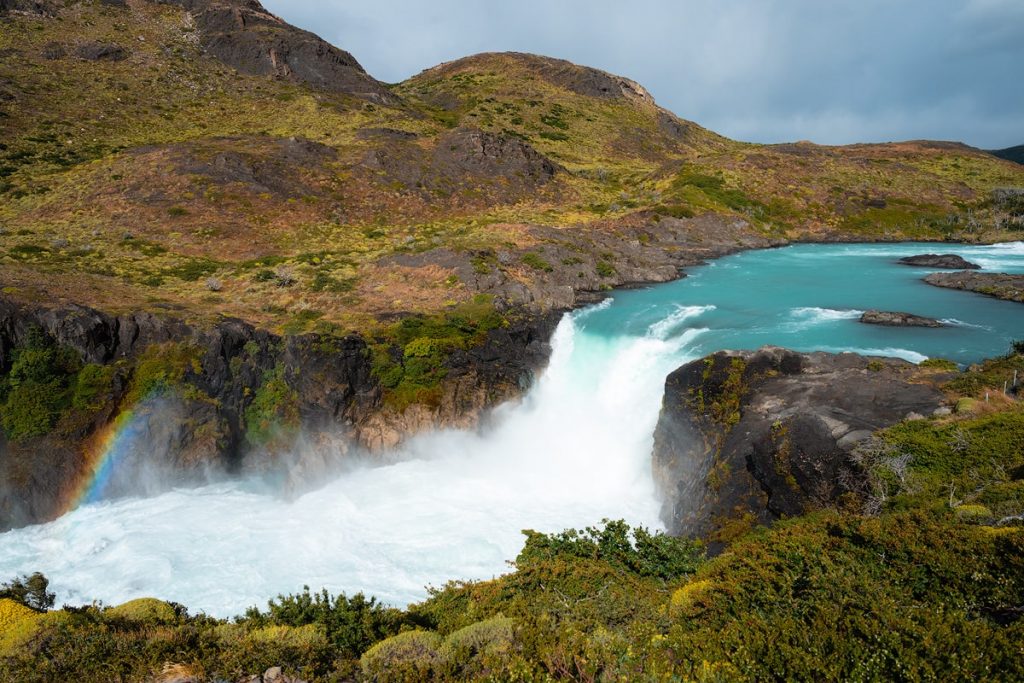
(833, 71)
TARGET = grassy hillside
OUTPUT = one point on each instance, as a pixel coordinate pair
(155, 176)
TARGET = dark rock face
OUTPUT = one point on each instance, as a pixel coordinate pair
(95, 52)
(950, 261)
(183, 437)
(898, 319)
(476, 152)
(28, 6)
(272, 165)
(999, 285)
(243, 35)
(750, 437)
(503, 165)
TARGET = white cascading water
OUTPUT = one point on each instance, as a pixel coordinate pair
(451, 506)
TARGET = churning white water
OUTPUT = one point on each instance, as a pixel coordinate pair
(574, 451)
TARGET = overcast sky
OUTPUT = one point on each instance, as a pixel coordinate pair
(831, 71)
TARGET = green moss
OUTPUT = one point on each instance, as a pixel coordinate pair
(161, 368)
(409, 357)
(273, 414)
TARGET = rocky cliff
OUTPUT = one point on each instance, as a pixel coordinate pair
(753, 436)
(182, 404)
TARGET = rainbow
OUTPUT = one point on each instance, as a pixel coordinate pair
(105, 451)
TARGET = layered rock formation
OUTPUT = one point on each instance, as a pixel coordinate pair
(245, 36)
(753, 436)
(999, 285)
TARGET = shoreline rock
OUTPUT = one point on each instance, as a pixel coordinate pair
(999, 285)
(948, 261)
(748, 437)
(898, 319)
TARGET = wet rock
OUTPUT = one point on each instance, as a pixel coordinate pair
(950, 261)
(752, 436)
(898, 319)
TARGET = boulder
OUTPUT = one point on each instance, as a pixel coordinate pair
(96, 51)
(898, 319)
(950, 261)
(753, 436)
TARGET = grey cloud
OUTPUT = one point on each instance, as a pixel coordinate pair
(761, 70)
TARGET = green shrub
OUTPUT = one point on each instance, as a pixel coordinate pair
(145, 611)
(30, 590)
(939, 364)
(605, 269)
(479, 649)
(535, 261)
(91, 385)
(273, 414)
(352, 625)
(36, 390)
(408, 657)
(634, 550)
(161, 368)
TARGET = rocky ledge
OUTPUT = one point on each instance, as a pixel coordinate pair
(898, 319)
(218, 400)
(949, 261)
(749, 437)
(999, 285)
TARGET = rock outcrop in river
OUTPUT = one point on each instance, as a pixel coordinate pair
(752, 436)
(999, 285)
(898, 319)
(949, 261)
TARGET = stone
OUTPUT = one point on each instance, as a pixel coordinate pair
(950, 261)
(747, 437)
(898, 319)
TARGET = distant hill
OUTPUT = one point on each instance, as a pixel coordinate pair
(1010, 153)
(176, 154)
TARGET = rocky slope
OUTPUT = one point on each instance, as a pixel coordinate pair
(999, 285)
(754, 436)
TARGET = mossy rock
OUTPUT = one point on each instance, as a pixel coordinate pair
(18, 623)
(144, 611)
(409, 656)
(966, 406)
